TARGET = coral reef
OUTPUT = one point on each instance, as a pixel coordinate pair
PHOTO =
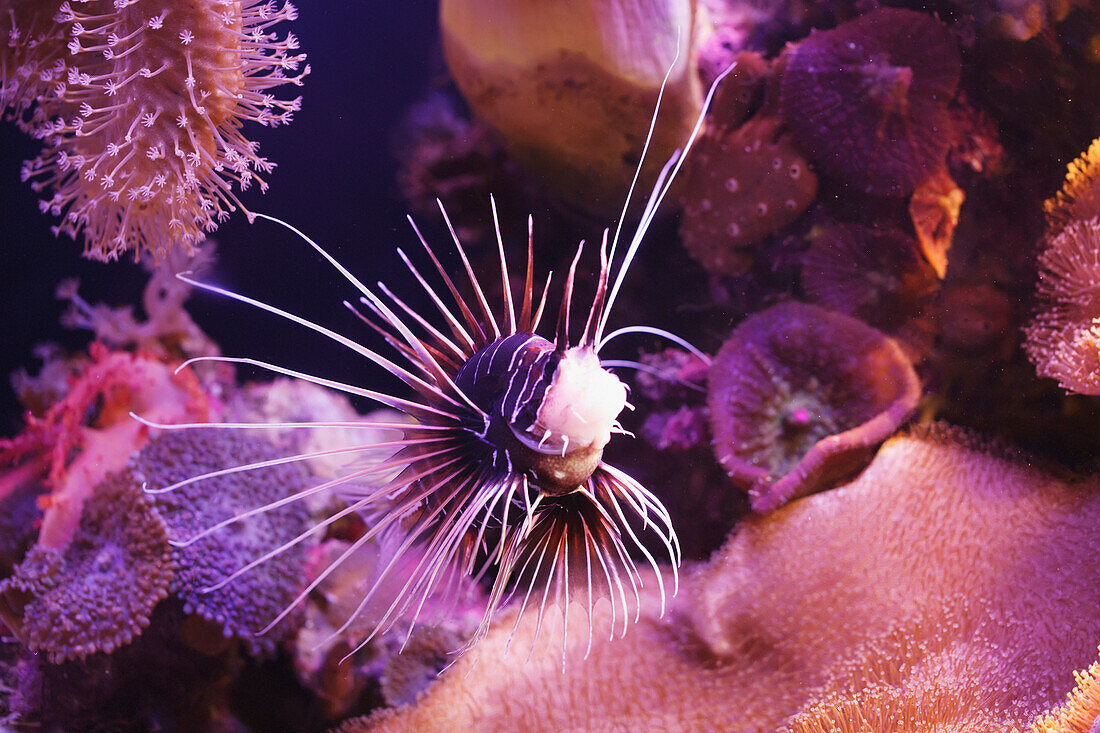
(869, 98)
(798, 398)
(949, 569)
(861, 220)
(139, 106)
(445, 156)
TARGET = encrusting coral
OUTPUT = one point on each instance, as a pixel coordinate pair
(949, 554)
(139, 107)
(98, 592)
(798, 398)
(868, 99)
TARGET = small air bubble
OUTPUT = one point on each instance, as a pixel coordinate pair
(732, 185)
(704, 205)
(795, 170)
(777, 163)
(761, 209)
(733, 229)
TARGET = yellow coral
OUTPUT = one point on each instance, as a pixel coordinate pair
(1080, 195)
(1081, 712)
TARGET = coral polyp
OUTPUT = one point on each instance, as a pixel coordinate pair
(140, 106)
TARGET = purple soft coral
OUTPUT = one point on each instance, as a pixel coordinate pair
(245, 606)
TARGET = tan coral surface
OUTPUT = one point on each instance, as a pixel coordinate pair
(943, 587)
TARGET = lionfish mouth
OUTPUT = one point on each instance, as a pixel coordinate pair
(501, 473)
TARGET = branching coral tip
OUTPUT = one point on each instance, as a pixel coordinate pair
(501, 475)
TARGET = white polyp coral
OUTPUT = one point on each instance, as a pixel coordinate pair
(582, 401)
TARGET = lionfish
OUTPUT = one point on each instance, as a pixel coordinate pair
(500, 471)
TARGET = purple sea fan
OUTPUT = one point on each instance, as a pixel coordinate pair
(141, 110)
(869, 98)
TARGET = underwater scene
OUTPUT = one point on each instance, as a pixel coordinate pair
(587, 365)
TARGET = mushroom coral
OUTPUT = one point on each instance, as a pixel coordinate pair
(869, 98)
(98, 592)
(798, 398)
(743, 185)
(947, 559)
(876, 275)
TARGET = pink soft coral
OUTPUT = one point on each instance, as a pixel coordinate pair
(89, 432)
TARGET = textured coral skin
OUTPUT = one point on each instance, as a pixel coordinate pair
(247, 605)
(953, 552)
(743, 185)
(97, 593)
